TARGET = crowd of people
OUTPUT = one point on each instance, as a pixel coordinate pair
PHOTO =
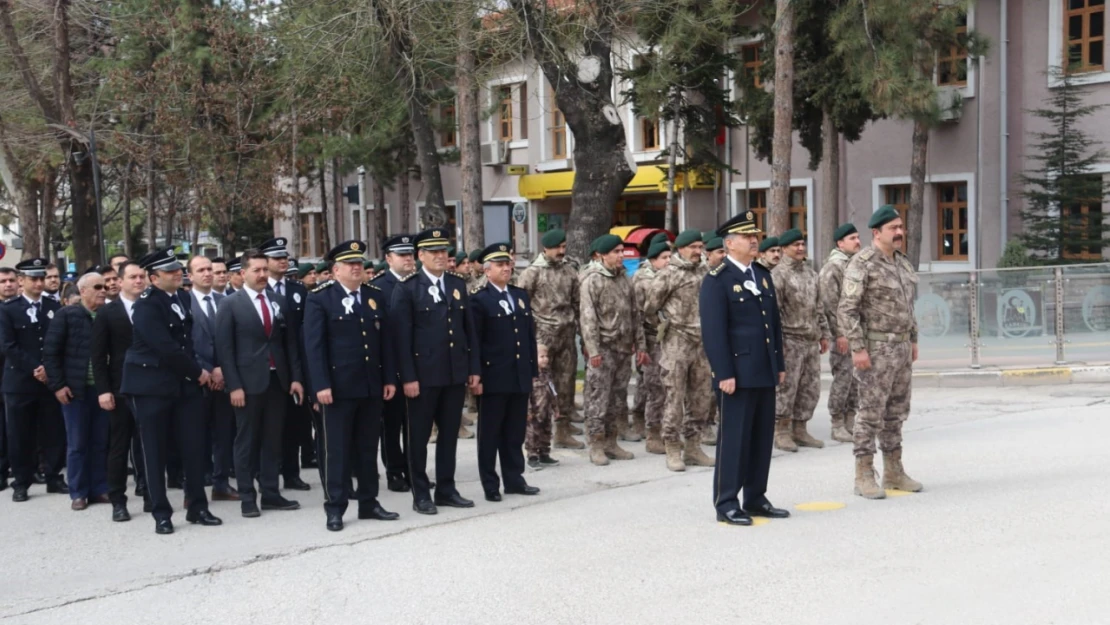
(197, 373)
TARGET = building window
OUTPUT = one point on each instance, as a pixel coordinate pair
(1083, 225)
(321, 242)
(649, 134)
(505, 114)
(952, 240)
(751, 64)
(306, 234)
(757, 204)
(512, 112)
(447, 119)
(898, 196)
(952, 63)
(1084, 35)
(558, 133)
(798, 209)
(642, 211)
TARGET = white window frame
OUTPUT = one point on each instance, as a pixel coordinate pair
(1056, 48)
(547, 107)
(631, 120)
(447, 204)
(933, 264)
(491, 128)
(739, 199)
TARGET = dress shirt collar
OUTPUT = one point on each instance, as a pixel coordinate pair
(252, 293)
(39, 300)
(431, 277)
(743, 268)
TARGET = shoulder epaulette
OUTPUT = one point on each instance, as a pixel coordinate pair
(378, 277)
(716, 270)
(408, 277)
(321, 287)
(457, 275)
(475, 290)
(146, 292)
(373, 287)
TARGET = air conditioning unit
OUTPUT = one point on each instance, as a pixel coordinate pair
(494, 154)
(950, 103)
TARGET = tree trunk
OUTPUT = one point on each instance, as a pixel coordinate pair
(470, 151)
(917, 192)
(381, 216)
(829, 215)
(151, 205)
(125, 202)
(339, 200)
(48, 206)
(323, 181)
(171, 213)
(670, 221)
(434, 211)
(406, 203)
(294, 172)
(28, 204)
(779, 218)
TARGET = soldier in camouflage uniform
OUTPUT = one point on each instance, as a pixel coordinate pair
(542, 412)
(843, 396)
(552, 285)
(876, 315)
(649, 389)
(686, 377)
(715, 254)
(770, 253)
(611, 331)
(636, 432)
(805, 335)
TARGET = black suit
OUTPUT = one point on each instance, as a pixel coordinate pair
(219, 419)
(263, 365)
(297, 438)
(393, 414)
(111, 339)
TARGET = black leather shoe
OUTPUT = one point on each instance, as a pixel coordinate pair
(492, 495)
(120, 513)
(296, 483)
(335, 523)
(425, 507)
(148, 507)
(203, 517)
(57, 486)
(768, 511)
(165, 526)
(454, 500)
(734, 517)
(3, 484)
(526, 490)
(38, 477)
(398, 484)
(19, 495)
(548, 461)
(376, 512)
(281, 503)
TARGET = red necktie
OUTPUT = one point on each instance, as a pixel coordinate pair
(266, 325)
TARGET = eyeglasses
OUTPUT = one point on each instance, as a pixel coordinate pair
(98, 287)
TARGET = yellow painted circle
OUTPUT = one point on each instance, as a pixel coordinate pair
(890, 492)
(819, 506)
(759, 520)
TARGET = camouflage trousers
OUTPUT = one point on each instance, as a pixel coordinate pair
(563, 360)
(606, 393)
(686, 379)
(537, 437)
(649, 389)
(797, 396)
(844, 393)
(884, 397)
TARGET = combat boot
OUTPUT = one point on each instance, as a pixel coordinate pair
(638, 426)
(839, 432)
(894, 476)
(654, 443)
(694, 456)
(674, 456)
(866, 486)
(574, 429)
(627, 433)
(709, 435)
(597, 451)
(463, 432)
(850, 422)
(563, 438)
(784, 438)
(613, 451)
(468, 418)
(802, 437)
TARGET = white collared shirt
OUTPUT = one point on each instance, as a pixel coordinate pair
(128, 305)
(258, 305)
(284, 290)
(38, 301)
(501, 293)
(395, 274)
(742, 266)
(199, 297)
(439, 282)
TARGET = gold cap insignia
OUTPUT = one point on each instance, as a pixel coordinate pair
(750, 216)
(502, 248)
(354, 246)
(435, 233)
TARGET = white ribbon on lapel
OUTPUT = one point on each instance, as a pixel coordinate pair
(177, 309)
(33, 315)
(505, 307)
(348, 305)
(750, 285)
(434, 291)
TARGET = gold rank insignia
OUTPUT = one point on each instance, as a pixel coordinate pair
(521, 302)
(765, 283)
(354, 246)
(456, 295)
(373, 304)
(736, 288)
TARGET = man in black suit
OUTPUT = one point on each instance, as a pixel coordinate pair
(165, 385)
(33, 414)
(438, 357)
(297, 437)
(262, 367)
(9, 288)
(742, 335)
(507, 348)
(111, 338)
(399, 256)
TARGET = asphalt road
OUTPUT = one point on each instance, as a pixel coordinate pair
(1011, 529)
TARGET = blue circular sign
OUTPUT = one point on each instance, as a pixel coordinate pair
(3, 249)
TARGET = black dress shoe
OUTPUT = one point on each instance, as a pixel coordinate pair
(280, 503)
(548, 461)
(377, 512)
(120, 513)
(3, 484)
(398, 484)
(335, 522)
(492, 495)
(525, 490)
(296, 483)
(454, 500)
(425, 507)
(203, 517)
(734, 517)
(250, 509)
(57, 485)
(38, 477)
(19, 494)
(165, 526)
(768, 511)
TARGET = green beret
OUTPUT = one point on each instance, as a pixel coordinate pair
(382, 266)
(474, 256)
(715, 243)
(323, 266)
(419, 265)
(791, 236)
(303, 269)
(658, 248)
(843, 231)
(660, 237)
(460, 258)
(367, 264)
(708, 236)
(605, 243)
(881, 217)
(554, 238)
(768, 243)
(686, 237)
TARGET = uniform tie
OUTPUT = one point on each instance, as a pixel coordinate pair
(508, 298)
(354, 296)
(439, 285)
(280, 288)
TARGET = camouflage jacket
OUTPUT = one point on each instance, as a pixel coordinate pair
(674, 293)
(641, 281)
(542, 404)
(799, 304)
(877, 297)
(828, 287)
(610, 314)
(552, 287)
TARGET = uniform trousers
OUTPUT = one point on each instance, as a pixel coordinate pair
(349, 444)
(744, 442)
(258, 439)
(172, 422)
(298, 434)
(123, 441)
(441, 405)
(393, 428)
(502, 423)
(220, 433)
(5, 465)
(34, 420)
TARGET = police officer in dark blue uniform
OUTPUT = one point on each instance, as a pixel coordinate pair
(398, 253)
(33, 413)
(165, 385)
(742, 334)
(351, 366)
(437, 357)
(507, 348)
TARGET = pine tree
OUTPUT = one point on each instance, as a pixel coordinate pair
(1059, 190)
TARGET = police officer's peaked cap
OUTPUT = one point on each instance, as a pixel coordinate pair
(160, 260)
(554, 238)
(687, 237)
(497, 252)
(236, 264)
(398, 244)
(883, 216)
(292, 268)
(656, 249)
(768, 243)
(275, 247)
(743, 223)
(843, 231)
(433, 240)
(790, 237)
(348, 252)
(715, 243)
(32, 267)
(69, 276)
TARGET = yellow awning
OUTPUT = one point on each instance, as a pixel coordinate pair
(648, 179)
